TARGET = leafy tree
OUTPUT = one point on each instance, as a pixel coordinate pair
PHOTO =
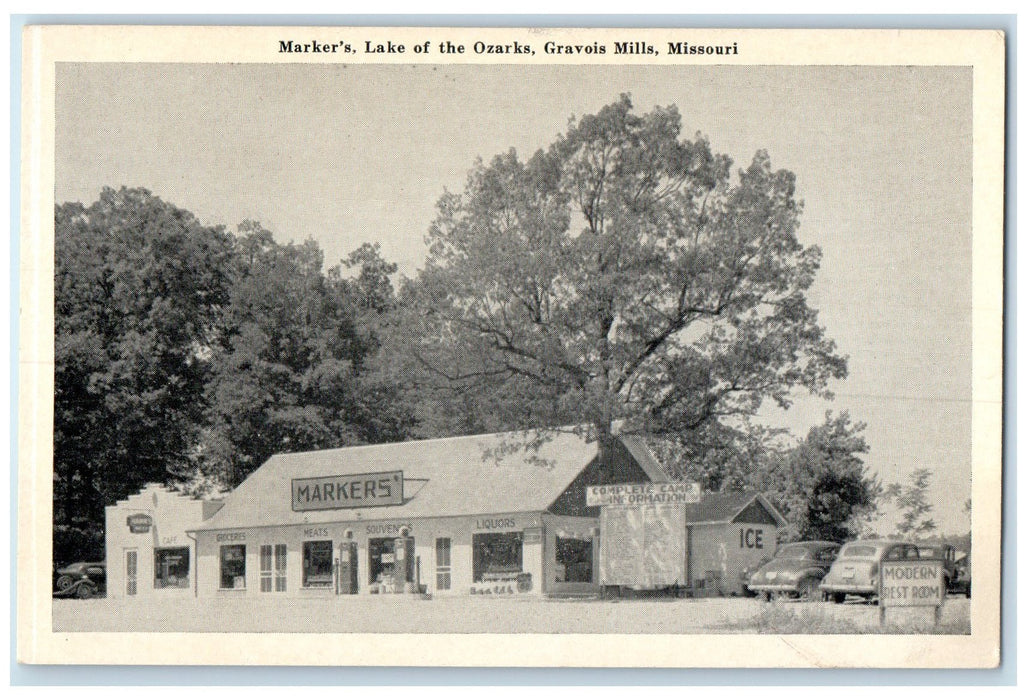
(821, 484)
(620, 277)
(287, 365)
(139, 285)
(912, 501)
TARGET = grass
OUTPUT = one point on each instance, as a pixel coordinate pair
(822, 619)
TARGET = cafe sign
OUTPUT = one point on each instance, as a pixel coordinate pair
(643, 494)
(139, 523)
(348, 491)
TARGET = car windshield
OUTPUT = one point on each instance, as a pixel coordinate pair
(859, 550)
(793, 551)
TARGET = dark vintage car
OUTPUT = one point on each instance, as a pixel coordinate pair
(946, 553)
(795, 571)
(81, 580)
(856, 570)
(961, 584)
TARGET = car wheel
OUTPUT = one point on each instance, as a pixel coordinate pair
(63, 584)
(85, 591)
(766, 596)
(808, 589)
(838, 597)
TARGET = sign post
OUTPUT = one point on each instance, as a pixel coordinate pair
(907, 583)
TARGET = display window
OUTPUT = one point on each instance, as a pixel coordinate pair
(573, 560)
(381, 560)
(317, 564)
(171, 567)
(498, 556)
(233, 566)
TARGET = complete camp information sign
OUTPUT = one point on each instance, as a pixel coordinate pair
(643, 494)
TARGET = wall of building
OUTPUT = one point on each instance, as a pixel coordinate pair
(720, 553)
(172, 515)
(425, 531)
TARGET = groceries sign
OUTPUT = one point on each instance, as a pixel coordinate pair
(643, 494)
(348, 491)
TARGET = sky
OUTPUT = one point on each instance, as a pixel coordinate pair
(360, 153)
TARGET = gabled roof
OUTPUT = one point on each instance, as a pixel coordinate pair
(725, 507)
(444, 477)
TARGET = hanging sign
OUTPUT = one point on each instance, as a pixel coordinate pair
(139, 523)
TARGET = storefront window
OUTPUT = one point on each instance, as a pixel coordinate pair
(171, 568)
(233, 566)
(381, 559)
(317, 564)
(573, 560)
(498, 556)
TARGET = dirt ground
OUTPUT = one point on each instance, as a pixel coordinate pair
(397, 614)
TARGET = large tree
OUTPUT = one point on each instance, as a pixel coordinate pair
(621, 277)
(139, 286)
(287, 365)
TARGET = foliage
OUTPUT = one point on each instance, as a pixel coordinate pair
(286, 369)
(139, 285)
(185, 355)
(821, 485)
(619, 277)
(912, 501)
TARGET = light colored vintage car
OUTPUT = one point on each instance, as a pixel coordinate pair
(795, 571)
(858, 566)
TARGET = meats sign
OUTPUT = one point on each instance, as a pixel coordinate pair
(643, 494)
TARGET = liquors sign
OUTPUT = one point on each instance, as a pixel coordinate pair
(348, 491)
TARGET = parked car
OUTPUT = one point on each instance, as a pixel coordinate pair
(947, 554)
(795, 571)
(961, 584)
(856, 570)
(81, 580)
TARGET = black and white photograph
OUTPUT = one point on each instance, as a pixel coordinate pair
(543, 334)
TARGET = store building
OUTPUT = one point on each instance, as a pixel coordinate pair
(478, 515)
(470, 515)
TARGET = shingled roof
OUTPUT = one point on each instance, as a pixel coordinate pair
(725, 507)
(443, 477)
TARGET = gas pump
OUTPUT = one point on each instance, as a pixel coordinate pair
(404, 571)
(347, 567)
